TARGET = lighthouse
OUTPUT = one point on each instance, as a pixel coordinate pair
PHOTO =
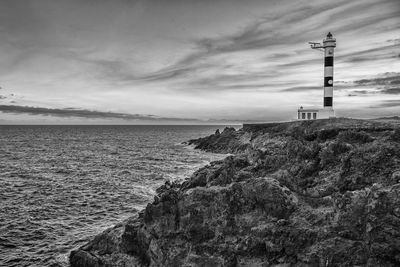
(328, 45)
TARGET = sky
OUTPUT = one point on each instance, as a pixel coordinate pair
(182, 61)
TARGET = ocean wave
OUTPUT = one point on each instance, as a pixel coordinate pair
(63, 184)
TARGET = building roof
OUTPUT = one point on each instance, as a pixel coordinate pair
(309, 109)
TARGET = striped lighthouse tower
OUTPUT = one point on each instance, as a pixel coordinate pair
(329, 44)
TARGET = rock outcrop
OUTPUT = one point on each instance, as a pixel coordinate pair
(313, 193)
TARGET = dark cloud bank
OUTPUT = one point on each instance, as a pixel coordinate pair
(82, 113)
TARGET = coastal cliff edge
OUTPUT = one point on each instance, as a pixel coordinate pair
(304, 193)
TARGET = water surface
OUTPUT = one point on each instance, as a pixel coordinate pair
(59, 185)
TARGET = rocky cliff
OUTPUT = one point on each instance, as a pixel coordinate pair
(312, 193)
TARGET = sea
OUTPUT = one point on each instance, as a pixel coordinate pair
(61, 185)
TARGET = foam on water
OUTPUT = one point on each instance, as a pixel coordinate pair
(60, 185)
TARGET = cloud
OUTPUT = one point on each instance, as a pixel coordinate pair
(81, 113)
(302, 89)
(255, 36)
(187, 58)
(362, 92)
(339, 86)
(382, 52)
(384, 83)
(388, 104)
(216, 53)
(388, 78)
(391, 91)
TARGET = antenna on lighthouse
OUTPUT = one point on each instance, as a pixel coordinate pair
(315, 45)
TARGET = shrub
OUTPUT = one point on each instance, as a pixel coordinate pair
(355, 137)
(324, 135)
(339, 148)
(395, 136)
(331, 154)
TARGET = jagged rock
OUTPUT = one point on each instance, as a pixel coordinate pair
(104, 250)
(314, 193)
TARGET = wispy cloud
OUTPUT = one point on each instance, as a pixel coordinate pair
(388, 104)
(380, 84)
(389, 78)
(391, 91)
(302, 89)
(204, 69)
(183, 57)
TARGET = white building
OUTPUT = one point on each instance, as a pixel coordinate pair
(314, 113)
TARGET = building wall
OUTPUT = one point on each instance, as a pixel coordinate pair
(307, 115)
(303, 114)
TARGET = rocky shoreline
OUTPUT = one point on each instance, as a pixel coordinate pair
(311, 193)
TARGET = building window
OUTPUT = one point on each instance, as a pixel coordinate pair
(308, 116)
(314, 115)
(298, 115)
(303, 116)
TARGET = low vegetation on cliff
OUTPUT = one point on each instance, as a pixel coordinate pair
(311, 193)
